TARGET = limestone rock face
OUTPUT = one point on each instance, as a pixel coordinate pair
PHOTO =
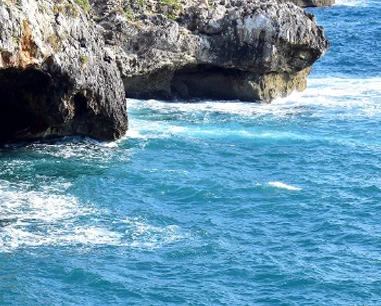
(56, 78)
(249, 50)
(65, 69)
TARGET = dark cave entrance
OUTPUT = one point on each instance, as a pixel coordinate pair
(23, 94)
(210, 82)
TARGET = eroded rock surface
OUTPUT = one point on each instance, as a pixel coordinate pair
(55, 77)
(249, 50)
(65, 68)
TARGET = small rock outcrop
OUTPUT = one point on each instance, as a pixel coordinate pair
(55, 76)
(67, 65)
(312, 3)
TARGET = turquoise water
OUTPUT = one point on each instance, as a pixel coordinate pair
(213, 203)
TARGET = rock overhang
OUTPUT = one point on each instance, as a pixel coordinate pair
(68, 71)
(55, 78)
(265, 42)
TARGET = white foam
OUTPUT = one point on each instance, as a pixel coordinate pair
(284, 186)
(40, 205)
(134, 134)
(75, 147)
(145, 235)
(355, 96)
(14, 237)
(47, 217)
(31, 219)
(93, 235)
(337, 92)
(351, 2)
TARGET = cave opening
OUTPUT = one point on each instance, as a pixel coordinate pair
(210, 82)
(80, 103)
(23, 94)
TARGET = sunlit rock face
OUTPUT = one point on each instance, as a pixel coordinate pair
(248, 50)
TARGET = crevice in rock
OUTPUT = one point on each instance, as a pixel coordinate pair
(80, 103)
(23, 93)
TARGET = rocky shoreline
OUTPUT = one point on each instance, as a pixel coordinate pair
(313, 3)
(66, 66)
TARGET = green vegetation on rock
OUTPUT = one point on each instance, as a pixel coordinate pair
(84, 4)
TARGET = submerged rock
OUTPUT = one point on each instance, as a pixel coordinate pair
(65, 69)
(55, 78)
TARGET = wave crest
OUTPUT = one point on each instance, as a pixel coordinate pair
(284, 186)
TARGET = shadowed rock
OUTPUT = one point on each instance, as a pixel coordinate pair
(55, 79)
(312, 3)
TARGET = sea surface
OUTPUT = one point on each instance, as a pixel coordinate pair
(211, 203)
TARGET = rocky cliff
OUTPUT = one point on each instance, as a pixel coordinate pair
(55, 76)
(66, 66)
(249, 50)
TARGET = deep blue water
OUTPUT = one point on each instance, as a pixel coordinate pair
(213, 203)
